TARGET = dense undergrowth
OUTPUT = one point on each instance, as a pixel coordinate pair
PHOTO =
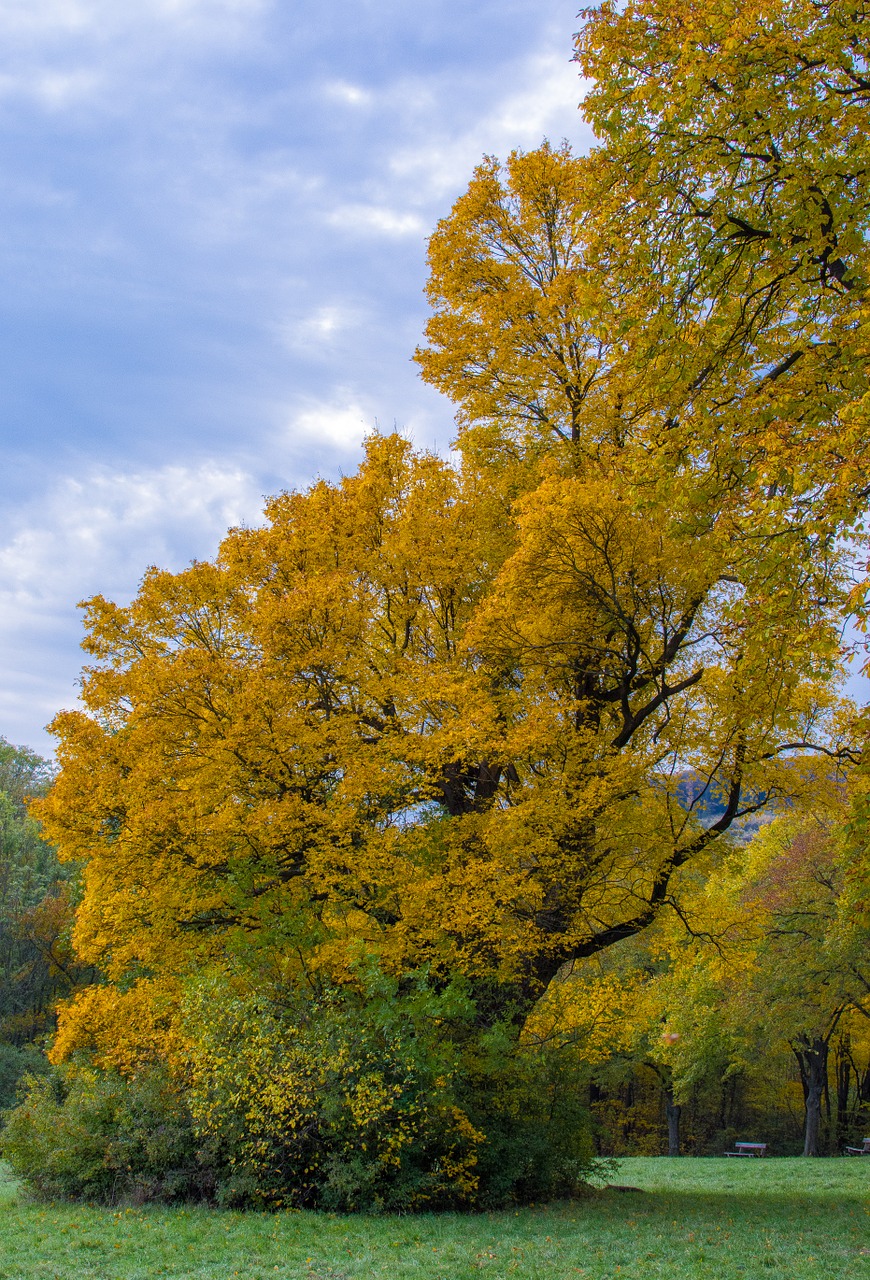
(392, 1099)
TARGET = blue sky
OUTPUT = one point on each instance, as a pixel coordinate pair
(213, 219)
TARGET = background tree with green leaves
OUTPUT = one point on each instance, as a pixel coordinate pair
(37, 900)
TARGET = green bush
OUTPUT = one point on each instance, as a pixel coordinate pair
(84, 1134)
(384, 1095)
(530, 1103)
(343, 1101)
(389, 1098)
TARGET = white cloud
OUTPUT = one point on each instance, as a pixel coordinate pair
(54, 90)
(326, 321)
(380, 220)
(55, 18)
(341, 423)
(553, 89)
(317, 332)
(62, 53)
(100, 532)
(51, 16)
(543, 101)
(352, 95)
(97, 533)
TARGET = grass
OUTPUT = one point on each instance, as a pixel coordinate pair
(724, 1219)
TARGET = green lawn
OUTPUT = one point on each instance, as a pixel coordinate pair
(693, 1218)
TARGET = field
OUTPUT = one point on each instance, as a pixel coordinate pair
(728, 1219)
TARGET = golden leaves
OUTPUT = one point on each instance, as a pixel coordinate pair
(477, 716)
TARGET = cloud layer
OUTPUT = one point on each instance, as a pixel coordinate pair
(212, 256)
(96, 534)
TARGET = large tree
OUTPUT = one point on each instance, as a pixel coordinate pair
(366, 724)
(790, 962)
(450, 713)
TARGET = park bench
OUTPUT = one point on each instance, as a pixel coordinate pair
(748, 1149)
(863, 1150)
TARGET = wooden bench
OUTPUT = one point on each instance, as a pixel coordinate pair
(749, 1149)
(863, 1150)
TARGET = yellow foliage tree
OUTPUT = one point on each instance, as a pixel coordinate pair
(472, 717)
(367, 725)
(765, 956)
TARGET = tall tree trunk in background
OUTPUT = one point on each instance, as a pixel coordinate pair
(673, 1110)
(812, 1058)
(843, 1076)
(863, 1085)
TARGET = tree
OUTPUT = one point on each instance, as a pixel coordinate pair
(777, 961)
(657, 1008)
(36, 963)
(804, 991)
(365, 724)
(445, 713)
(37, 966)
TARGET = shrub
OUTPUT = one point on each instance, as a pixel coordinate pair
(345, 1101)
(379, 1095)
(385, 1098)
(85, 1134)
(530, 1104)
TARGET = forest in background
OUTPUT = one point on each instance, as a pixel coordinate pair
(472, 816)
(37, 899)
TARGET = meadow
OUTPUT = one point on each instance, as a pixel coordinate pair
(690, 1219)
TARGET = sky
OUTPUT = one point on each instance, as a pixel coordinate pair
(213, 223)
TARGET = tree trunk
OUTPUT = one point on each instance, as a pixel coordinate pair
(812, 1058)
(863, 1084)
(843, 1076)
(673, 1111)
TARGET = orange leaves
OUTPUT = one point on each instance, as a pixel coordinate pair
(451, 712)
(123, 1030)
(406, 718)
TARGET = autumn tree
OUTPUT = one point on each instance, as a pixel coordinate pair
(793, 939)
(760, 959)
(662, 1013)
(779, 960)
(365, 724)
(443, 715)
(37, 965)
